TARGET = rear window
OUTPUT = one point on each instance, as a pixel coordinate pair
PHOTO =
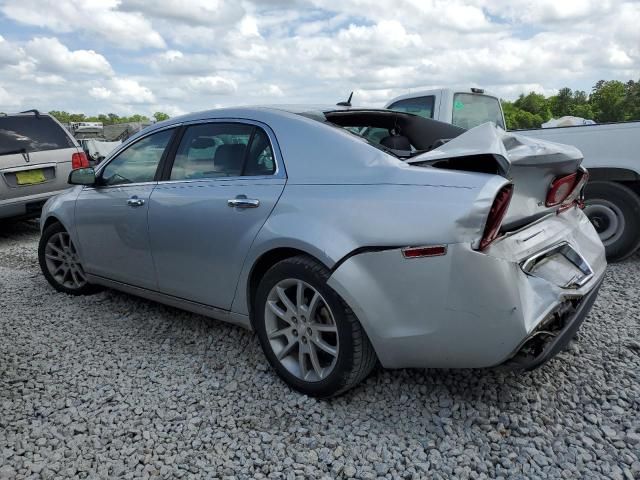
(471, 110)
(422, 106)
(32, 134)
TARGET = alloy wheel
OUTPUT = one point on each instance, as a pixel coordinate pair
(301, 330)
(63, 263)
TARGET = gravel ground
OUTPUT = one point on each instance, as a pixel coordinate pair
(114, 386)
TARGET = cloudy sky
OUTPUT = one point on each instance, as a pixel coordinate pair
(127, 56)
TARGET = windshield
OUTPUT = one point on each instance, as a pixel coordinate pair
(471, 110)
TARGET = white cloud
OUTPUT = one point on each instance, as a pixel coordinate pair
(7, 100)
(212, 85)
(101, 93)
(123, 91)
(9, 54)
(194, 12)
(53, 56)
(200, 53)
(128, 30)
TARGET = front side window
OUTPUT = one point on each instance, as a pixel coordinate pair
(29, 133)
(213, 150)
(471, 110)
(139, 162)
(422, 106)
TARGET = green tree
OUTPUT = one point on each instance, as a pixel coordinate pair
(632, 100)
(137, 118)
(608, 101)
(516, 118)
(160, 116)
(61, 116)
(534, 103)
(562, 103)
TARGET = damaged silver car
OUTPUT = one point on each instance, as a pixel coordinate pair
(344, 237)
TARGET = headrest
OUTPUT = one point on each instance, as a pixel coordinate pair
(230, 157)
(396, 142)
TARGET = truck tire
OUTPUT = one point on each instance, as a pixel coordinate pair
(614, 211)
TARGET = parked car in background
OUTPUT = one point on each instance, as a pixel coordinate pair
(611, 154)
(36, 156)
(340, 252)
(97, 149)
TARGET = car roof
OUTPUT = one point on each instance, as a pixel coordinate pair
(309, 110)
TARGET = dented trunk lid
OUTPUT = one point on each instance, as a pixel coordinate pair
(529, 163)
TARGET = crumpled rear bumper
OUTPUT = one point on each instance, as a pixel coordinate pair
(551, 337)
(470, 309)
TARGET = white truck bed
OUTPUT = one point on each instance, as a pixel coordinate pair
(606, 145)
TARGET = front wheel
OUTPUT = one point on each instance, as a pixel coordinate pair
(60, 264)
(309, 335)
(614, 211)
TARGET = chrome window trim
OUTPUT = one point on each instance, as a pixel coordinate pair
(121, 185)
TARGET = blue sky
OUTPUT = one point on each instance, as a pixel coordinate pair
(127, 56)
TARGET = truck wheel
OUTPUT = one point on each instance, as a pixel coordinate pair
(614, 211)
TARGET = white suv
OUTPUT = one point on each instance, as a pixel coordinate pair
(36, 156)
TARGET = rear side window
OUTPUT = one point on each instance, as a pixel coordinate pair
(471, 110)
(213, 150)
(422, 106)
(260, 159)
(32, 134)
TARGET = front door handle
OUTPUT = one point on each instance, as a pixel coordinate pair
(135, 201)
(241, 201)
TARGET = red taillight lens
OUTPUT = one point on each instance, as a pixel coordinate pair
(560, 189)
(79, 160)
(496, 215)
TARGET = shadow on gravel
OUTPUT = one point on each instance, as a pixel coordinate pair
(10, 229)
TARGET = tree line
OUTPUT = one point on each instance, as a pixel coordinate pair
(609, 101)
(106, 119)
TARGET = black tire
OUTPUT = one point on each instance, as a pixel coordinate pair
(47, 234)
(610, 203)
(356, 357)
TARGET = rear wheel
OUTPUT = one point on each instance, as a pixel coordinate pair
(309, 335)
(614, 211)
(60, 264)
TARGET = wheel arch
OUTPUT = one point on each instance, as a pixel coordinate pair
(613, 174)
(264, 262)
(51, 219)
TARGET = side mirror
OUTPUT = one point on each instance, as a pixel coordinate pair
(82, 176)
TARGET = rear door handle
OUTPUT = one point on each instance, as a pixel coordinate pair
(241, 201)
(135, 201)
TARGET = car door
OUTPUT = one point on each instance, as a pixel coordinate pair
(223, 183)
(111, 218)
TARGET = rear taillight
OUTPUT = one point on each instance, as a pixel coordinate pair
(560, 189)
(79, 160)
(565, 191)
(496, 215)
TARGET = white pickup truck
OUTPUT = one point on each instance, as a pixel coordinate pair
(611, 154)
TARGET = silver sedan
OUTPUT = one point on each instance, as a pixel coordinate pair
(344, 237)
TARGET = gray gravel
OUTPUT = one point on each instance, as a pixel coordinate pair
(113, 386)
